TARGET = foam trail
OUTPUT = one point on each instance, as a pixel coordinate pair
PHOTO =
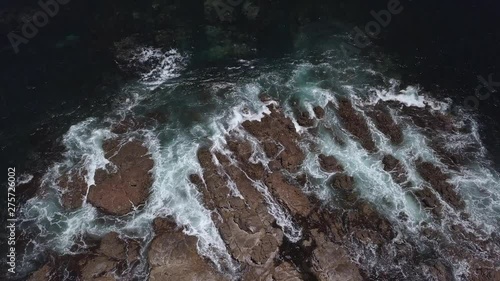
(410, 96)
(283, 219)
(173, 194)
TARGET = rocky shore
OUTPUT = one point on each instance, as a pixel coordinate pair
(350, 241)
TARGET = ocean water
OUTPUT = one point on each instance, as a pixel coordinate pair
(205, 104)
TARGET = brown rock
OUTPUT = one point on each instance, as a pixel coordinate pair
(115, 193)
(367, 225)
(393, 166)
(429, 120)
(275, 127)
(440, 272)
(355, 124)
(429, 200)
(305, 120)
(42, 274)
(319, 112)
(331, 262)
(118, 193)
(98, 267)
(271, 149)
(113, 247)
(73, 189)
(484, 270)
(439, 181)
(343, 182)
(286, 272)
(243, 150)
(161, 225)
(245, 224)
(384, 122)
(330, 164)
(173, 256)
(291, 196)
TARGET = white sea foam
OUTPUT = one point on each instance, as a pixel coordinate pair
(24, 179)
(283, 219)
(174, 148)
(161, 66)
(410, 96)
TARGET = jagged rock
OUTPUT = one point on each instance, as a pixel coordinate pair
(331, 262)
(343, 182)
(118, 193)
(245, 225)
(367, 225)
(113, 247)
(173, 256)
(305, 120)
(162, 225)
(242, 150)
(271, 149)
(291, 196)
(278, 128)
(484, 270)
(319, 112)
(73, 190)
(439, 181)
(42, 274)
(384, 122)
(286, 272)
(429, 200)
(355, 124)
(330, 164)
(115, 193)
(428, 119)
(393, 166)
(437, 271)
(98, 268)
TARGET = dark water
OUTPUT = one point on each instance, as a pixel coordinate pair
(61, 77)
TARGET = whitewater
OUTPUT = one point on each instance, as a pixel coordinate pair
(206, 105)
